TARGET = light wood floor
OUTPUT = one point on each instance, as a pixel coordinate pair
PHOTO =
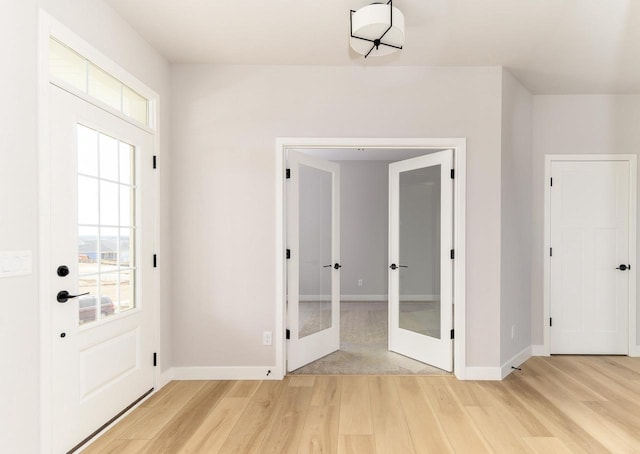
(554, 405)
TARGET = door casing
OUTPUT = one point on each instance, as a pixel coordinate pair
(545, 349)
(457, 144)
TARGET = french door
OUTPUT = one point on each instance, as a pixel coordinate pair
(420, 265)
(102, 292)
(313, 243)
(590, 257)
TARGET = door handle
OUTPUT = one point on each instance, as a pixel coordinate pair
(393, 266)
(63, 296)
(623, 267)
(336, 266)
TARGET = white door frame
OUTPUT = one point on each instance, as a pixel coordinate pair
(459, 145)
(48, 26)
(549, 159)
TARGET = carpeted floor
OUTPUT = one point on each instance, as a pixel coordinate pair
(363, 344)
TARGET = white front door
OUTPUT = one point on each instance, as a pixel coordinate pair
(313, 243)
(589, 257)
(102, 259)
(420, 265)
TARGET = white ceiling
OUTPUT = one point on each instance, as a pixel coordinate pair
(551, 46)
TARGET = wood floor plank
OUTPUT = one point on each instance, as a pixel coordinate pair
(182, 427)
(546, 445)
(150, 418)
(495, 429)
(320, 433)
(426, 433)
(355, 407)
(556, 404)
(250, 430)
(559, 424)
(530, 423)
(243, 388)
(285, 430)
(356, 444)
(216, 427)
(389, 424)
(117, 446)
(327, 390)
(456, 424)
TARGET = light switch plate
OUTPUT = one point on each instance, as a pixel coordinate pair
(15, 263)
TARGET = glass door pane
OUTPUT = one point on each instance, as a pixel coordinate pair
(419, 235)
(315, 193)
(106, 225)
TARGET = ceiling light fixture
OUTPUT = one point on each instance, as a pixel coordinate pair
(377, 29)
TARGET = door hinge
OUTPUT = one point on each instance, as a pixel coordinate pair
(155, 359)
(550, 252)
(551, 181)
(550, 321)
(155, 261)
(452, 334)
(155, 162)
(452, 254)
(288, 174)
(288, 253)
(453, 174)
(288, 334)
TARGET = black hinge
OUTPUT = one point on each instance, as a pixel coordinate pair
(550, 321)
(288, 334)
(155, 261)
(288, 253)
(155, 359)
(550, 252)
(551, 181)
(453, 174)
(288, 174)
(155, 162)
(452, 334)
(453, 254)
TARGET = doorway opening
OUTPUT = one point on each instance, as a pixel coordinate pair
(350, 292)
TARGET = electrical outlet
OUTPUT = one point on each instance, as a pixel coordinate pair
(360, 281)
(266, 338)
(513, 331)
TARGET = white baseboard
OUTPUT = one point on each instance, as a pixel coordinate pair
(516, 361)
(344, 298)
(369, 298)
(165, 377)
(634, 351)
(538, 350)
(226, 373)
(483, 373)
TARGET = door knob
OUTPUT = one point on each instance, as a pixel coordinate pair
(63, 296)
(623, 267)
(393, 266)
(337, 266)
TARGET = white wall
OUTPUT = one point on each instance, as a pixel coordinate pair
(19, 333)
(18, 227)
(575, 124)
(225, 121)
(516, 249)
(364, 227)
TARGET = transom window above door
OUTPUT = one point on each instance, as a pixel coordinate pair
(79, 73)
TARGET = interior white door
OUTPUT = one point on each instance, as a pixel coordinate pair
(102, 230)
(313, 242)
(421, 269)
(589, 292)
